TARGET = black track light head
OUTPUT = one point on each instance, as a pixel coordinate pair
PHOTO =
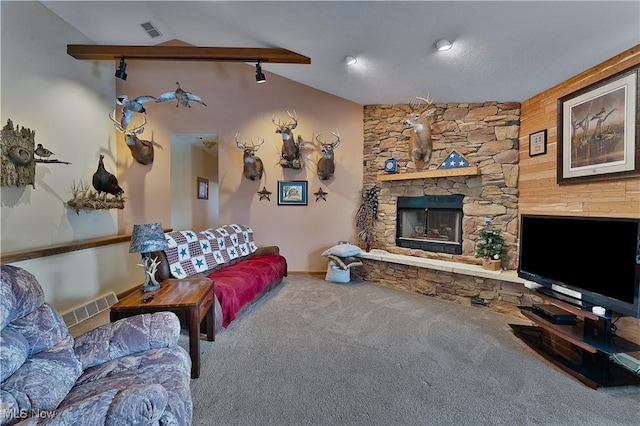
(260, 78)
(120, 71)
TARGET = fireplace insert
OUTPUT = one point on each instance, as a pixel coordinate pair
(431, 223)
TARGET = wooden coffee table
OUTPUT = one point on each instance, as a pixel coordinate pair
(191, 299)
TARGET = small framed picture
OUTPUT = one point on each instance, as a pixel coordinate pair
(292, 193)
(538, 143)
(203, 188)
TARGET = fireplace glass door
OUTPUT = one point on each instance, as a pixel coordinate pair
(430, 223)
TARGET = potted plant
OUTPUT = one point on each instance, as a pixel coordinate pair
(490, 246)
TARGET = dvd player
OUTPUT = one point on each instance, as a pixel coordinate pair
(554, 314)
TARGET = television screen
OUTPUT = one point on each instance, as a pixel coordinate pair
(596, 257)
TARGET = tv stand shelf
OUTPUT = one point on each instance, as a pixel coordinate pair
(582, 350)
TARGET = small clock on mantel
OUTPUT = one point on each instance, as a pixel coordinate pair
(391, 165)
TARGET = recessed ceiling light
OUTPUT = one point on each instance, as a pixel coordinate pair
(443, 44)
(350, 60)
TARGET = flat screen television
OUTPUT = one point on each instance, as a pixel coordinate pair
(585, 261)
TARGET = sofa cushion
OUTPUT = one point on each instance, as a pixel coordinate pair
(20, 293)
(238, 284)
(191, 252)
(343, 250)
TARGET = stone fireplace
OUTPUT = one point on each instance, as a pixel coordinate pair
(486, 134)
(431, 223)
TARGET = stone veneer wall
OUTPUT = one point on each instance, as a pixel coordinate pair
(486, 134)
(498, 295)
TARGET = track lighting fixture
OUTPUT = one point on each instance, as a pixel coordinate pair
(260, 78)
(120, 71)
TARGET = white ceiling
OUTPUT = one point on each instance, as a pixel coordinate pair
(503, 50)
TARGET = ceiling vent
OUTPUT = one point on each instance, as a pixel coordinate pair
(151, 29)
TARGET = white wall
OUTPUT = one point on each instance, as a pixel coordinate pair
(65, 101)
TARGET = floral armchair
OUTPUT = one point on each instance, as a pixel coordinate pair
(131, 372)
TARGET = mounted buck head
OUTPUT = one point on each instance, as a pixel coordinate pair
(290, 147)
(326, 164)
(420, 144)
(252, 165)
(142, 151)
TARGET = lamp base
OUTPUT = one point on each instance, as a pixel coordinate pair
(149, 286)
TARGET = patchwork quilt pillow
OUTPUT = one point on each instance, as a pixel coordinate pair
(192, 252)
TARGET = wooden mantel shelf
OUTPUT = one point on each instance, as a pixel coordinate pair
(186, 53)
(464, 171)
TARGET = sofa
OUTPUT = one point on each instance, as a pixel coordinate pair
(130, 372)
(241, 272)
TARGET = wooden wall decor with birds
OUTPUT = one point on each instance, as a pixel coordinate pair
(18, 157)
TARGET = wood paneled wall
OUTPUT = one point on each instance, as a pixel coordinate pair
(539, 192)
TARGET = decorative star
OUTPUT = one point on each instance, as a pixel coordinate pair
(320, 194)
(264, 194)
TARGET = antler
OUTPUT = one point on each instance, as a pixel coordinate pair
(419, 101)
(334, 143)
(121, 129)
(116, 123)
(288, 124)
(239, 144)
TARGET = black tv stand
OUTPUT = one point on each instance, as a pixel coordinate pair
(582, 349)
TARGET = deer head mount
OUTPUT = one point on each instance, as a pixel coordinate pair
(141, 150)
(326, 163)
(420, 144)
(253, 167)
(290, 155)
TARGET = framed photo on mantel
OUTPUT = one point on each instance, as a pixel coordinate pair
(598, 134)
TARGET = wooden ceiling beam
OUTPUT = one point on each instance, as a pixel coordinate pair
(186, 53)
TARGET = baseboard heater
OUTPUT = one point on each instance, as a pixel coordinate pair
(89, 309)
(554, 314)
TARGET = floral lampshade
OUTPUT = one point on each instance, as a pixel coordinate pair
(147, 237)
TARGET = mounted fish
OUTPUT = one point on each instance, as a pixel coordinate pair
(326, 163)
(290, 156)
(253, 167)
(131, 106)
(420, 143)
(141, 150)
(181, 96)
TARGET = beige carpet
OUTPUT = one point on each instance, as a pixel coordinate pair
(319, 353)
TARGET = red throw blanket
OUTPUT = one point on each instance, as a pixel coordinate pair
(237, 284)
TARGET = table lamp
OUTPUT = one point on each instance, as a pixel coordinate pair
(145, 239)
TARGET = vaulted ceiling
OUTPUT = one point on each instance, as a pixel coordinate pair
(502, 50)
